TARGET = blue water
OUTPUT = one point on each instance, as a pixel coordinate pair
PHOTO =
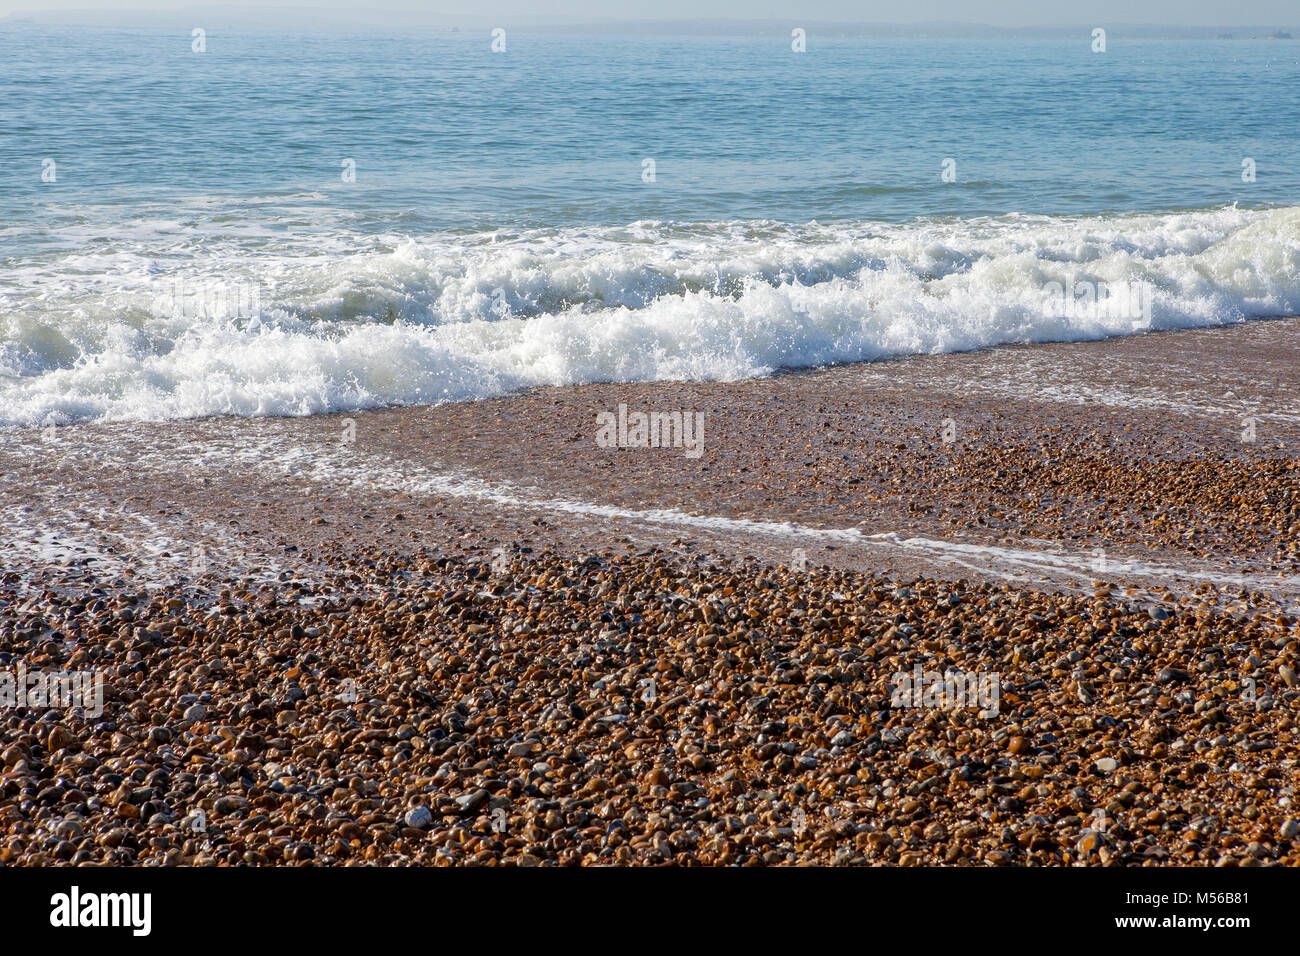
(553, 132)
(499, 233)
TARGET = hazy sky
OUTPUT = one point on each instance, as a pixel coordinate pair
(994, 12)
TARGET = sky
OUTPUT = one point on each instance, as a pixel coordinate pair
(1002, 13)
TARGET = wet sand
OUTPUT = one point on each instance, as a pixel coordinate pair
(1121, 460)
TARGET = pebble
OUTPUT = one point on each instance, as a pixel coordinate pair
(1089, 840)
(230, 804)
(59, 738)
(419, 817)
(362, 721)
(472, 802)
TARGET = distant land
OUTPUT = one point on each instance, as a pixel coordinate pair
(379, 20)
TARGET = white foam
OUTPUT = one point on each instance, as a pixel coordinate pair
(276, 322)
(334, 465)
(158, 550)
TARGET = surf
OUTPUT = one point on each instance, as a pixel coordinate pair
(221, 323)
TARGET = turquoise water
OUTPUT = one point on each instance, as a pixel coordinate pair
(553, 132)
(500, 232)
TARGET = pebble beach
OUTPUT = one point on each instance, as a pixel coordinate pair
(406, 649)
(638, 711)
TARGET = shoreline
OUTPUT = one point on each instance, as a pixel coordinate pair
(472, 635)
(1067, 463)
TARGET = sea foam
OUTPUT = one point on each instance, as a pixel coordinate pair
(184, 322)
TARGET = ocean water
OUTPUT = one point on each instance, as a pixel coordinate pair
(181, 233)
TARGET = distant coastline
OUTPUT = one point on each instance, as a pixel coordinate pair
(307, 20)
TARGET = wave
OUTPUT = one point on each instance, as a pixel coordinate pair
(173, 319)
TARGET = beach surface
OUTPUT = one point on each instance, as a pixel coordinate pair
(1165, 460)
(468, 633)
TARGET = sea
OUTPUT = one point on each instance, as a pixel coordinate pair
(208, 222)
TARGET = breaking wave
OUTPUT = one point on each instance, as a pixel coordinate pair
(172, 321)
